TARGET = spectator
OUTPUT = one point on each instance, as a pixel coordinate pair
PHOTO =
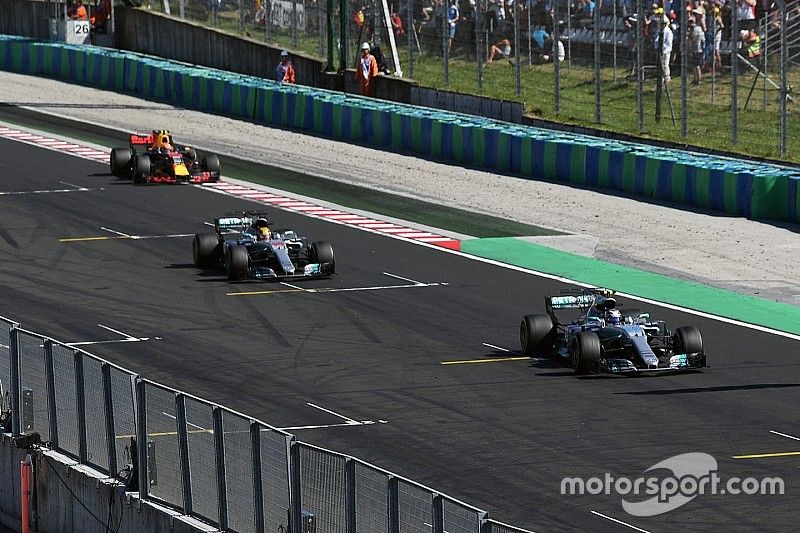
(543, 52)
(715, 26)
(501, 48)
(586, 15)
(746, 10)
(629, 40)
(77, 11)
(260, 16)
(452, 19)
(697, 41)
(100, 16)
(397, 25)
(366, 71)
(427, 10)
(284, 72)
(751, 43)
(665, 49)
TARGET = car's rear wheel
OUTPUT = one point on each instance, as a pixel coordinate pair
(687, 339)
(204, 248)
(236, 262)
(211, 164)
(141, 168)
(322, 252)
(119, 160)
(536, 335)
(585, 352)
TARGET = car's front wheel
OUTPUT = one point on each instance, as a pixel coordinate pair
(687, 340)
(236, 262)
(585, 352)
(322, 252)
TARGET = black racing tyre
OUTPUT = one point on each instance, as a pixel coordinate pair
(237, 262)
(211, 164)
(204, 247)
(141, 168)
(322, 252)
(536, 335)
(120, 159)
(585, 352)
(687, 339)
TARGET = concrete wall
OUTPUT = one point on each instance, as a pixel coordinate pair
(161, 35)
(68, 495)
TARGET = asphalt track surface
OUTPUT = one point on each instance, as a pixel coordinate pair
(499, 435)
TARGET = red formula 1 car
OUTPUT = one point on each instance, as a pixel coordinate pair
(155, 158)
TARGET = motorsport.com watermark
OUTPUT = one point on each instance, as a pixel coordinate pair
(693, 474)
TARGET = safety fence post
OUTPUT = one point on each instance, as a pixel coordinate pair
(80, 405)
(52, 419)
(219, 449)
(183, 445)
(295, 498)
(350, 493)
(13, 353)
(393, 504)
(258, 491)
(141, 439)
(437, 513)
(111, 438)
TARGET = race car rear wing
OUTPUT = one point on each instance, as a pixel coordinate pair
(237, 221)
(138, 140)
(231, 223)
(577, 300)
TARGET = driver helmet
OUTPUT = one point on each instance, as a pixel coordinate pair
(261, 230)
(613, 317)
(163, 139)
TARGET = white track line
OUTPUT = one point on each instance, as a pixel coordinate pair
(115, 232)
(619, 522)
(349, 421)
(784, 435)
(495, 347)
(404, 279)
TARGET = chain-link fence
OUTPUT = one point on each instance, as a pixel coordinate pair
(205, 460)
(719, 73)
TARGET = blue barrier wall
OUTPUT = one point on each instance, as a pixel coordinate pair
(734, 186)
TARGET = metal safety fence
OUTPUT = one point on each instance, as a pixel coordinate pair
(202, 459)
(716, 73)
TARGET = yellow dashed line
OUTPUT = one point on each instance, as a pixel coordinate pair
(763, 455)
(493, 360)
(262, 292)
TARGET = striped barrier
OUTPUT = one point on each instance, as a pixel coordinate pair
(734, 186)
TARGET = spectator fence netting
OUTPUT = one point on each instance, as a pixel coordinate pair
(200, 458)
(601, 81)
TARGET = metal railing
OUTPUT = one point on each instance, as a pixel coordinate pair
(203, 459)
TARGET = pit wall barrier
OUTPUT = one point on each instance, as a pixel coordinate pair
(733, 186)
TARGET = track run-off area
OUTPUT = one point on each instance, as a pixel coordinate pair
(408, 358)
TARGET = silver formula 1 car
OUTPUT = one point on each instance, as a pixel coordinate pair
(246, 247)
(605, 339)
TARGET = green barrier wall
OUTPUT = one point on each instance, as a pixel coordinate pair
(734, 186)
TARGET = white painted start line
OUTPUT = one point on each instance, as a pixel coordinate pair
(125, 338)
(72, 188)
(620, 522)
(784, 435)
(348, 422)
